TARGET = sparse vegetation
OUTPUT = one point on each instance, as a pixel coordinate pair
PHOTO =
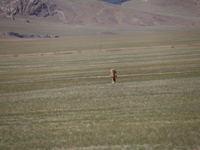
(66, 100)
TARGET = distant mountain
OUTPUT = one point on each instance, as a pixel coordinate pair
(117, 2)
(40, 8)
(186, 9)
(132, 13)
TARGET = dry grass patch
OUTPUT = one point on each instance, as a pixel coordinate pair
(68, 101)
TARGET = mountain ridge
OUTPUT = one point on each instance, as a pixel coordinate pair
(40, 8)
(95, 13)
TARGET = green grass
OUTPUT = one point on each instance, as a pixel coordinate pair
(67, 101)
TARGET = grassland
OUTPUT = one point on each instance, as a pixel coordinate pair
(66, 100)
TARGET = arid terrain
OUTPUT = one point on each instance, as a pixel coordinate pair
(56, 92)
(90, 15)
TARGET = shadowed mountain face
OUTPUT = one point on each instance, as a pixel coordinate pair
(117, 2)
(40, 8)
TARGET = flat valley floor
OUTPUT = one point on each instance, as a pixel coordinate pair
(57, 93)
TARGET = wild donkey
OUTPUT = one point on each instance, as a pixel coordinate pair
(113, 75)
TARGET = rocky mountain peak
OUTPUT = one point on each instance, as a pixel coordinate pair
(41, 8)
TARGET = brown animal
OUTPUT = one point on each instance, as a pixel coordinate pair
(113, 75)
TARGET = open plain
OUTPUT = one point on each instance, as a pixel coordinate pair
(57, 93)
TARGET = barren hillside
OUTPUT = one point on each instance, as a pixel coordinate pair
(180, 8)
(78, 17)
(98, 13)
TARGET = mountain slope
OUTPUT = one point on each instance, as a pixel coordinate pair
(92, 13)
(180, 8)
(103, 14)
(40, 8)
(51, 16)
